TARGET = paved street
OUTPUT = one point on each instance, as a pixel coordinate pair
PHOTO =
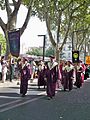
(74, 105)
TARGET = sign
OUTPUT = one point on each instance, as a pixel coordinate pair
(75, 56)
(88, 60)
(14, 42)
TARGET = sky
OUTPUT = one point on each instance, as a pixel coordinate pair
(30, 36)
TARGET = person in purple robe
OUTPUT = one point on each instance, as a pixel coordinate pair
(49, 83)
(41, 70)
(51, 76)
(69, 68)
(25, 75)
(78, 70)
(54, 75)
(64, 77)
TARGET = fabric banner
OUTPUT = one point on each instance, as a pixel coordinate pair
(14, 42)
(75, 56)
(88, 60)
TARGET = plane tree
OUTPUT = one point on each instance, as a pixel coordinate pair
(12, 17)
(2, 44)
(59, 15)
(80, 27)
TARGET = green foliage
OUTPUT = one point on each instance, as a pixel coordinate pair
(2, 4)
(3, 44)
(87, 19)
(26, 2)
(35, 51)
(50, 51)
(39, 51)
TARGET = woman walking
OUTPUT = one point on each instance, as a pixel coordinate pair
(51, 76)
(25, 74)
(69, 68)
(48, 79)
(78, 70)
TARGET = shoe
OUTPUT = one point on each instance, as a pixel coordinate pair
(23, 95)
(64, 89)
(49, 98)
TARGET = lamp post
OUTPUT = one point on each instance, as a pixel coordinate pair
(85, 53)
(72, 41)
(44, 37)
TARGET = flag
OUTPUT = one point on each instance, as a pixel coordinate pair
(75, 56)
(14, 42)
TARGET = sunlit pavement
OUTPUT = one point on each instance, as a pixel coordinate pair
(73, 105)
(14, 86)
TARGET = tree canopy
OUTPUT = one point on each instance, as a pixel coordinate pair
(61, 16)
(3, 44)
(12, 17)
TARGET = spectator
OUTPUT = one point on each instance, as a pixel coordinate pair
(25, 74)
(11, 70)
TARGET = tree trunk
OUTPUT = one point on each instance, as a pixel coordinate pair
(57, 54)
(7, 45)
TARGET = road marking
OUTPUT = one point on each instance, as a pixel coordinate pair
(9, 97)
(9, 103)
(20, 104)
(42, 93)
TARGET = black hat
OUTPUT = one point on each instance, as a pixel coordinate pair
(51, 56)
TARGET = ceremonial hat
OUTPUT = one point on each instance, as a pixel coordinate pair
(51, 56)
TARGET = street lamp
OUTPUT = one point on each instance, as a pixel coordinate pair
(44, 37)
(72, 41)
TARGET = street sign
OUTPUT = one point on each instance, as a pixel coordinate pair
(88, 60)
(75, 56)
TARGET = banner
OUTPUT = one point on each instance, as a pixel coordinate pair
(14, 42)
(88, 60)
(75, 56)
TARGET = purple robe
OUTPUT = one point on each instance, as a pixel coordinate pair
(67, 79)
(25, 74)
(41, 81)
(49, 82)
(78, 82)
(51, 76)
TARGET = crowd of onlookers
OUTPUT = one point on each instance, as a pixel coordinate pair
(6, 69)
(10, 69)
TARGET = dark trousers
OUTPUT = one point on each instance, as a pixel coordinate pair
(0, 75)
(49, 89)
(23, 88)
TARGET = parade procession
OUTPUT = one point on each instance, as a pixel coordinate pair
(44, 59)
(49, 75)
